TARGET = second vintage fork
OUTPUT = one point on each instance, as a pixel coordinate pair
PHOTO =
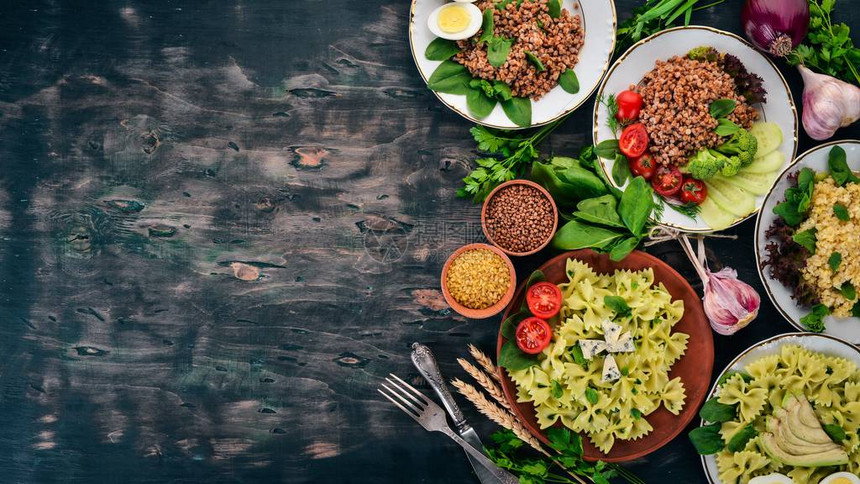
(431, 416)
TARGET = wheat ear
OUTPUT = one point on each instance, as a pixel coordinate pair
(485, 362)
(486, 382)
(497, 414)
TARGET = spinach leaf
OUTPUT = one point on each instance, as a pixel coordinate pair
(837, 162)
(568, 81)
(497, 50)
(512, 358)
(502, 91)
(581, 181)
(554, 8)
(479, 104)
(726, 128)
(623, 248)
(855, 310)
(599, 210)
(509, 325)
(715, 412)
(620, 170)
(722, 107)
(740, 439)
(636, 205)
(519, 110)
(577, 235)
(746, 377)
(578, 357)
(834, 261)
(591, 395)
(535, 60)
(450, 77)
(848, 291)
(441, 49)
(487, 27)
(617, 304)
(707, 439)
(556, 389)
(835, 432)
(607, 149)
(841, 212)
(534, 278)
(806, 238)
(814, 321)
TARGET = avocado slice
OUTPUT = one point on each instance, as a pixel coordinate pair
(794, 436)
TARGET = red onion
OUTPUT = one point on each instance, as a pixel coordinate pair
(775, 26)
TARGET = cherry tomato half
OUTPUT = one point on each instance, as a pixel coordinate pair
(693, 191)
(533, 335)
(643, 166)
(634, 140)
(544, 299)
(667, 181)
(629, 105)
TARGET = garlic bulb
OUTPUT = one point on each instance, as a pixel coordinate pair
(730, 303)
(828, 104)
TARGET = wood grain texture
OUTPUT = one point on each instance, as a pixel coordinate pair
(221, 223)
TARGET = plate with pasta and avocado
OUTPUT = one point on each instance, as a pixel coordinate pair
(618, 353)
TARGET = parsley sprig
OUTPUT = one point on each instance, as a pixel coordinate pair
(828, 47)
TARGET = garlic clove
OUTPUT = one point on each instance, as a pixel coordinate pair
(828, 104)
(729, 303)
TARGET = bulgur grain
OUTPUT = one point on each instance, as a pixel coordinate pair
(478, 278)
(834, 235)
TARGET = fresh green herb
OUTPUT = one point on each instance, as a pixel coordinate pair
(620, 169)
(855, 310)
(836, 433)
(535, 60)
(512, 358)
(554, 8)
(797, 199)
(814, 321)
(611, 120)
(722, 108)
(841, 212)
(741, 437)
(746, 377)
(834, 261)
(498, 49)
(806, 238)
(568, 81)
(607, 149)
(519, 110)
(451, 78)
(591, 395)
(636, 413)
(556, 389)
(487, 27)
(578, 357)
(827, 47)
(654, 16)
(848, 292)
(707, 439)
(688, 209)
(617, 304)
(440, 49)
(715, 412)
(726, 127)
(837, 163)
(507, 155)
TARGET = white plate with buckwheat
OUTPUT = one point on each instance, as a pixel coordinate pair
(531, 71)
(641, 59)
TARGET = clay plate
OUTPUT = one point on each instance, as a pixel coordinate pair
(694, 367)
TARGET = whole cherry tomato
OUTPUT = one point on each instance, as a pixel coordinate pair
(643, 166)
(629, 105)
(693, 191)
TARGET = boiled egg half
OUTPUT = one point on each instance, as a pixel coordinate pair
(840, 478)
(455, 21)
(775, 478)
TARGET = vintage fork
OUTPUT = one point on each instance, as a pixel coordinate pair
(432, 418)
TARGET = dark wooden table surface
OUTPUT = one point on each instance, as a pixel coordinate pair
(221, 223)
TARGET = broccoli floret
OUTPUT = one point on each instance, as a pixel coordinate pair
(704, 165)
(704, 53)
(731, 164)
(742, 145)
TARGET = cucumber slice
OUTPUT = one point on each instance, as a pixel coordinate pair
(731, 198)
(768, 163)
(769, 137)
(713, 215)
(755, 183)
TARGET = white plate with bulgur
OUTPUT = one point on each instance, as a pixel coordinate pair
(556, 57)
(678, 93)
(796, 278)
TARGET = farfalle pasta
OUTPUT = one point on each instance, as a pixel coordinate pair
(830, 384)
(572, 390)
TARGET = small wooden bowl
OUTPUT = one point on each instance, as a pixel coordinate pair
(488, 311)
(527, 183)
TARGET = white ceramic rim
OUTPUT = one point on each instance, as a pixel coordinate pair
(743, 42)
(763, 221)
(592, 38)
(790, 338)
